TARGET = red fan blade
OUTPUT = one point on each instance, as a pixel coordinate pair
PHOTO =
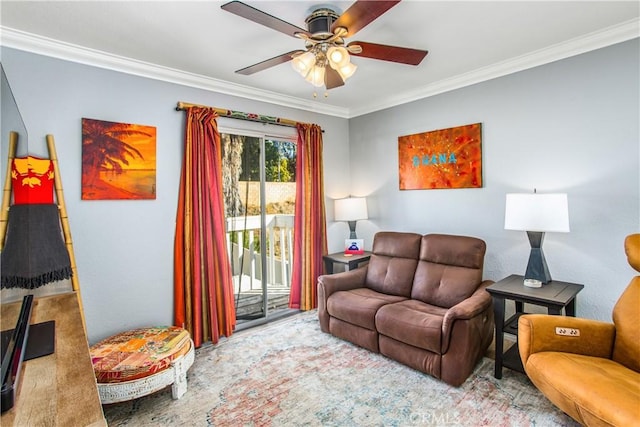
(361, 14)
(402, 55)
(332, 78)
(281, 59)
(255, 15)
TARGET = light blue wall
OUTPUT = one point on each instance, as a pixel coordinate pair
(124, 249)
(571, 126)
(10, 119)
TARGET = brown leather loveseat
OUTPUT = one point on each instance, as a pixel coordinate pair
(420, 300)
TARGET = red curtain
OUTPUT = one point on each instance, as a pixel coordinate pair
(310, 230)
(203, 284)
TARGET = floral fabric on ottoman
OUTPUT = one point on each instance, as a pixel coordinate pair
(138, 353)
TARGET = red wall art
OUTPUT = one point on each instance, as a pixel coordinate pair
(118, 161)
(445, 158)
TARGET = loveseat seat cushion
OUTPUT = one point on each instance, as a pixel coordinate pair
(359, 306)
(412, 322)
(588, 383)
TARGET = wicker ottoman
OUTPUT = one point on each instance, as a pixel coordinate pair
(142, 361)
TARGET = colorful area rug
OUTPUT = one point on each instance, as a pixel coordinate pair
(289, 373)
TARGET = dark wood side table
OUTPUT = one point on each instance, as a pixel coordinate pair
(555, 295)
(350, 262)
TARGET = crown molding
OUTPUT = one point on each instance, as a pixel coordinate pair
(609, 36)
(33, 43)
(54, 48)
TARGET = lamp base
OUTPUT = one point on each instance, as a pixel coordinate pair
(352, 229)
(537, 267)
(532, 283)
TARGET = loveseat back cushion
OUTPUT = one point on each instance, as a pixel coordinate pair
(449, 270)
(393, 262)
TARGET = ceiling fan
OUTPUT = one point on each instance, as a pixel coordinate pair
(326, 58)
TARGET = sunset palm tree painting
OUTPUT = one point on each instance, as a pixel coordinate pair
(118, 161)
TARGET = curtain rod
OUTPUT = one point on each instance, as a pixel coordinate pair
(241, 116)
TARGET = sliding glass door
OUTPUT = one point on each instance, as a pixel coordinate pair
(259, 191)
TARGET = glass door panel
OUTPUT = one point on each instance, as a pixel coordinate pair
(259, 192)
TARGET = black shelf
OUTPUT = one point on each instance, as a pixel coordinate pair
(511, 325)
(511, 359)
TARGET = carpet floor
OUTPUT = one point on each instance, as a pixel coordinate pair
(289, 373)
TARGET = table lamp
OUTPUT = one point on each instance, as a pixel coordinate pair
(536, 214)
(351, 210)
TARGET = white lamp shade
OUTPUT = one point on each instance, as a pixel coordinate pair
(350, 209)
(303, 63)
(537, 212)
(337, 56)
(316, 76)
(347, 71)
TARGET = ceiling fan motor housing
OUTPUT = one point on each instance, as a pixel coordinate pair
(320, 21)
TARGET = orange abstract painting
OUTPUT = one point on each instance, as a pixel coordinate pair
(118, 161)
(445, 158)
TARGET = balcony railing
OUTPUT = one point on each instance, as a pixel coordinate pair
(243, 245)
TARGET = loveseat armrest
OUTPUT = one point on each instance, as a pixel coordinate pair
(469, 308)
(331, 283)
(542, 332)
(344, 281)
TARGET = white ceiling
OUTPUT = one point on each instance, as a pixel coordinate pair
(199, 44)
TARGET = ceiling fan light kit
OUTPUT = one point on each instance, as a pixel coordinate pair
(303, 62)
(347, 71)
(316, 76)
(326, 59)
(338, 56)
(312, 64)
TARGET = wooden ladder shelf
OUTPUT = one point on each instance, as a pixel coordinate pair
(64, 220)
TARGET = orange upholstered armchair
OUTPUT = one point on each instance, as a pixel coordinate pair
(587, 368)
